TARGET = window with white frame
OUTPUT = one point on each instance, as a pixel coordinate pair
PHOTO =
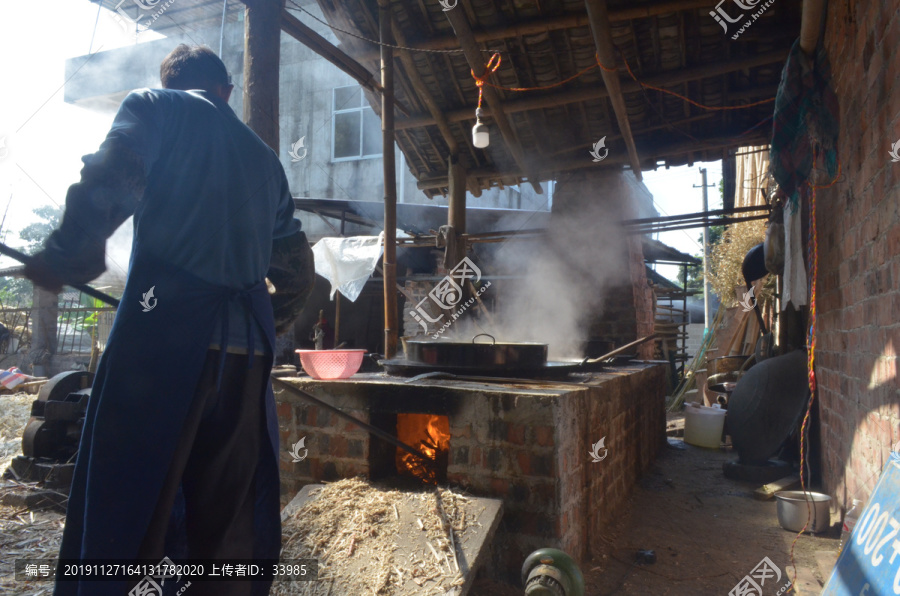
(355, 129)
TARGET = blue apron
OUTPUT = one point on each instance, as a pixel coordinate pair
(142, 392)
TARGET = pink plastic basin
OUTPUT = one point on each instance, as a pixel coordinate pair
(331, 364)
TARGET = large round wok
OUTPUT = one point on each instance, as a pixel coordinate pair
(490, 358)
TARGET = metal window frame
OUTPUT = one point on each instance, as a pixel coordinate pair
(361, 108)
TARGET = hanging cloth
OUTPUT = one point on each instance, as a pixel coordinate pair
(806, 116)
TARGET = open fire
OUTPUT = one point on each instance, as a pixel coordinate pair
(430, 434)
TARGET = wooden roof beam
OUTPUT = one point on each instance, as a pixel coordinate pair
(599, 17)
(473, 54)
(423, 93)
(321, 46)
(667, 79)
(671, 150)
(544, 25)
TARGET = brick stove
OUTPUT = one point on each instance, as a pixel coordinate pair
(527, 444)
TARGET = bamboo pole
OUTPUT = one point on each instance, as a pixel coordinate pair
(599, 18)
(390, 182)
(456, 211)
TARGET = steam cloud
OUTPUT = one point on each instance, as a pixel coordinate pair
(565, 276)
(118, 253)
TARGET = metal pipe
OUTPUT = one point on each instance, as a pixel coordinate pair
(25, 259)
(222, 29)
(705, 255)
(712, 222)
(700, 214)
(386, 436)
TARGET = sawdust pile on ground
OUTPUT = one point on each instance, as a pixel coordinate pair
(27, 535)
(15, 410)
(360, 535)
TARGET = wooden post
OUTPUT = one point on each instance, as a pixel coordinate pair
(262, 56)
(337, 318)
(43, 338)
(599, 18)
(456, 213)
(390, 182)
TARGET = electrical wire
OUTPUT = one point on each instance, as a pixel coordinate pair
(96, 21)
(373, 41)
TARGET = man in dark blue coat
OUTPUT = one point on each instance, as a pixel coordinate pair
(181, 414)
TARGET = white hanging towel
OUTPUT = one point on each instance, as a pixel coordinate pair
(348, 262)
(795, 291)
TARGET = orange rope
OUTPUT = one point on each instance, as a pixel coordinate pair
(613, 69)
(811, 360)
(691, 101)
(491, 68)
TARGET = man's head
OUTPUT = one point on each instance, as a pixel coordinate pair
(195, 67)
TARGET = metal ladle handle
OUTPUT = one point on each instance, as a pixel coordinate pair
(493, 339)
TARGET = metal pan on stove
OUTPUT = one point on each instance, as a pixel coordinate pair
(501, 356)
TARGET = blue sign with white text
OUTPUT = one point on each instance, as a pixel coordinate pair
(870, 562)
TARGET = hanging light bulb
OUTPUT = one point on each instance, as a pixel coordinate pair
(481, 135)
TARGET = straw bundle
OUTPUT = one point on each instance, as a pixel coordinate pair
(728, 256)
(375, 541)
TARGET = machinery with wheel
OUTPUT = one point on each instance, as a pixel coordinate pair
(51, 437)
(551, 572)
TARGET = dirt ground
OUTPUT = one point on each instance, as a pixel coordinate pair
(707, 532)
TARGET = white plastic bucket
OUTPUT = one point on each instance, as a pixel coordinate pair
(703, 426)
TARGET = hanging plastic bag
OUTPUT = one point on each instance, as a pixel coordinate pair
(774, 242)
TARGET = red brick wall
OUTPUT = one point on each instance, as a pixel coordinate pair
(526, 446)
(336, 448)
(859, 258)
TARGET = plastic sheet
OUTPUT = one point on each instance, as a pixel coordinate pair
(348, 262)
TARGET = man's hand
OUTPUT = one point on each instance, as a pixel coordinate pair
(37, 270)
(292, 271)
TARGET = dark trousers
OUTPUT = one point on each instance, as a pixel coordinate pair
(215, 466)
